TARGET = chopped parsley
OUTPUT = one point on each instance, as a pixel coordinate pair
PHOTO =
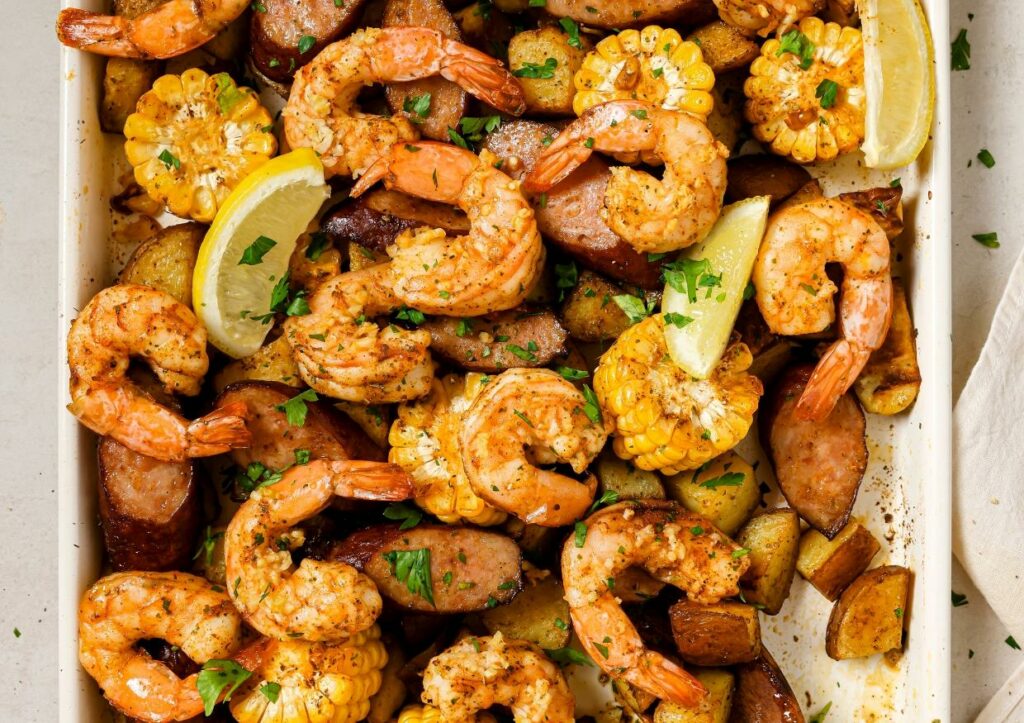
(592, 408)
(169, 159)
(573, 375)
(473, 129)
(270, 691)
(579, 533)
(826, 93)
(688, 276)
(677, 320)
(409, 515)
(535, 71)
(729, 479)
(986, 158)
(635, 308)
(572, 30)
(228, 94)
(418, 106)
(988, 240)
(960, 51)
(317, 244)
(219, 676)
(608, 497)
(568, 656)
(799, 45)
(295, 409)
(306, 43)
(958, 599)
(413, 568)
(255, 251)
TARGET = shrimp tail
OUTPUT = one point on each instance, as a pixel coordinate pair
(95, 32)
(484, 77)
(835, 373)
(555, 165)
(370, 481)
(221, 430)
(669, 681)
(376, 171)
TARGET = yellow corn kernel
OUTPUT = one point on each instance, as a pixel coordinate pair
(430, 714)
(193, 138)
(671, 421)
(654, 64)
(314, 682)
(425, 443)
(815, 112)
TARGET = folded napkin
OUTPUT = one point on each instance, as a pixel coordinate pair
(988, 488)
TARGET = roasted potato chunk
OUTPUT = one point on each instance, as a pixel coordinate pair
(272, 362)
(723, 633)
(384, 704)
(763, 695)
(626, 481)
(726, 118)
(548, 88)
(485, 27)
(831, 565)
(883, 204)
(539, 614)
(589, 314)
(773, 539)
(724, 491)
(764, 174)
(869, 616)
(714, 708)
(724, 47)
(124, 82)
(891, 379)
(167, 260)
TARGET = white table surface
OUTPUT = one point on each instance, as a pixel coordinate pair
(986, 115)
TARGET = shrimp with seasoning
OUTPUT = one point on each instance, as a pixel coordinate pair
(794, 293)
(321, 113)
(672, 545)
(491, 268)
(129, 320)
(477, 673)
(522, 419)
(121, 609)
(341, 352)
(763, 17)
(170, 29)
(317, 601)
(653, 216)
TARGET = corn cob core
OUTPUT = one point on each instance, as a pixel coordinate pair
(665, 419)
(797, 110)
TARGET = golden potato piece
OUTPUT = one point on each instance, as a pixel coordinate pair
(272, 362)
(724, 490)
(124, 82)
(724, 47)
(723, 633)
(628, 482)
(167, 260)
(538, 614)
(726, 118)
(868, 618)
(891, 379)
(831, 565)
(715, 708)
(763, 695)
(773, 539)
(545, 64)
(589, 313)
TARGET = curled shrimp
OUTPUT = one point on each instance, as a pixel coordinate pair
(171, 28)
(652, 215)
(477, 673)
(317, 601)
(763, 17)
(491, 268)
(672, 545)
(341, 352)
(121, 609)
(524, 418)
(795, 294)
(321, 113)
(128, 320)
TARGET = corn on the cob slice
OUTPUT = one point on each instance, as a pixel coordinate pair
(665, 419)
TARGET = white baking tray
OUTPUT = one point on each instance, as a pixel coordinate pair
(905, 497)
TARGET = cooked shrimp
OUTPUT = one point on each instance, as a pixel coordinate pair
(494, 266)
(321, 113)
(121, 609)
(525, 418)
(316, 601)
(172, 28)
(479, 672)
(654, 216)
(129, 320)
(674, 546)
(341, 352)
(795, 294)
(763, 17)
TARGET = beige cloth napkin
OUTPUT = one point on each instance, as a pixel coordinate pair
(988, 488)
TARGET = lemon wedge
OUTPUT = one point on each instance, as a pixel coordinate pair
(246, 250)
(706, 284)
(898, 80)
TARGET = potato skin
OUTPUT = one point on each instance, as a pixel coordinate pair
(491, 568)
(713, 709)
(764, 174)
(532, 615)
(447, 100)
(727, 507)
(628, 482)
(589, 314)
(124, 82)
(773, 538)
(763, 695)
(724, 633)
(831, 565)
(869, 616)
(327, 433)
(551, 95)
(891, 379)
(149, 509)
(167, 260)
(724, 47)
(272, 362)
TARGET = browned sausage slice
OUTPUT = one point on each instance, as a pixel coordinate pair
(326, 432)
(764, 174)
(280, 35)
(373, 220)
(470, 569)
(514, 338)
(149, 509)
(569, 214)
(818, 465)
(763, 695)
